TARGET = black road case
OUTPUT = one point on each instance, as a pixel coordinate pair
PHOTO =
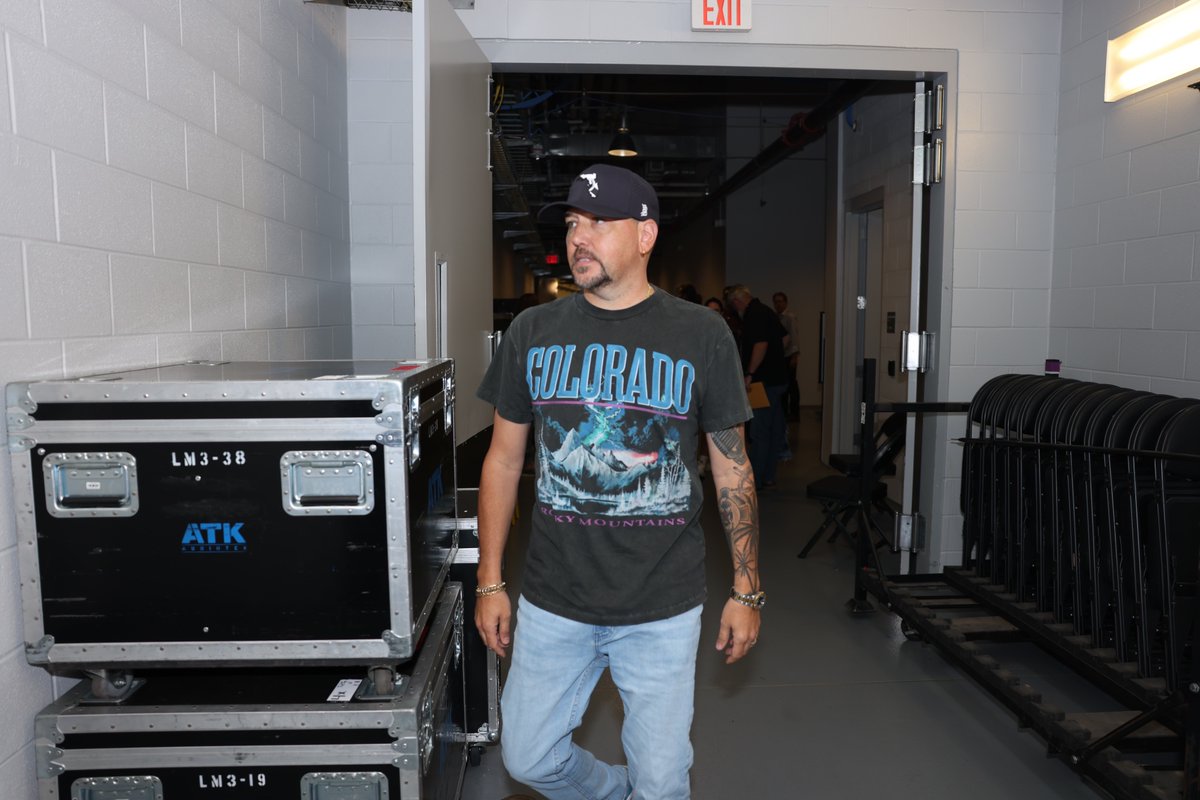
(233, 513)
(278, 734)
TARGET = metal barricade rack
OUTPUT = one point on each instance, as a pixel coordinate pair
(1079, 505)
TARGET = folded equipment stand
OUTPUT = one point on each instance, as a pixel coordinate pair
(1079, 503)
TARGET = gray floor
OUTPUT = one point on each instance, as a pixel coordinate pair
(827, 706)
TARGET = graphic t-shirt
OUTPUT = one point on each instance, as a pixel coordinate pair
(619, 400)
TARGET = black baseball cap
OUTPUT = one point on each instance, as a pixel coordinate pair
(608, 192)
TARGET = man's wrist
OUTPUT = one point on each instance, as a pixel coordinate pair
(488, 577)
(746, 585)
(755, 600)
(490, 589)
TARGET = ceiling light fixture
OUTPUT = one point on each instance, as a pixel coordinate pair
(1164, 48)
(622, 144)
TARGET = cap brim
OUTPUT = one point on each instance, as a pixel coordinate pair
(554, 212)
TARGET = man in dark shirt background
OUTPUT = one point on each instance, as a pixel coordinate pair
(763, 343)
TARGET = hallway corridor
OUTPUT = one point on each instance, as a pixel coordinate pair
(827, 706)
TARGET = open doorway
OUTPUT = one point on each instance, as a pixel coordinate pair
(740, 162)
(830, 63)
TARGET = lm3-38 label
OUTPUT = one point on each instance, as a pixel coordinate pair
(203, 458)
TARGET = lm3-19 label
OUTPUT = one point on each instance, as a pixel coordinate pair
(231, 780)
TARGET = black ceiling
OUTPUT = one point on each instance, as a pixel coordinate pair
(550, 126)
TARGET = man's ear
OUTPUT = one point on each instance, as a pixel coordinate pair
(647, 235)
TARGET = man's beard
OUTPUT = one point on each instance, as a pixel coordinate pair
(601, 278)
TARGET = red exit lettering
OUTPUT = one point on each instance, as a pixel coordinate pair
(722, 13)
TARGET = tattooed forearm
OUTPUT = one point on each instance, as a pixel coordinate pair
(738, 505)
(731, 444)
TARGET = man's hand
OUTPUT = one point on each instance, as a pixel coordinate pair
(739, 630)
(493, 615)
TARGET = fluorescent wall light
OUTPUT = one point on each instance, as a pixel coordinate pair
(1164, 48)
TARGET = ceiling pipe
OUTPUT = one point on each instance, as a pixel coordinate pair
(802, 129)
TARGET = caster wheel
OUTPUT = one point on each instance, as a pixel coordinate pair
(910, 633)
(383, 679)
(475, 755)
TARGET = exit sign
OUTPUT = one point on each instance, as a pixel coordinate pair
(720, 15)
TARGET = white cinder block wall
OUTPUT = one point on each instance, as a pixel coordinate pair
(1125, 307)
(173, 185)
(1007, 117)
(379, 73)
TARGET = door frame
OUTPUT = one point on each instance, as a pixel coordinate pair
(824, 61)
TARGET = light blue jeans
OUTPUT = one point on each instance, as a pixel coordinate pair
(556, 664)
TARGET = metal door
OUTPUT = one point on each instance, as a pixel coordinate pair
(916, 357)
(860, 324)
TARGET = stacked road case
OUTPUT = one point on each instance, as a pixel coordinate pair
(293, 521)
(267, 734)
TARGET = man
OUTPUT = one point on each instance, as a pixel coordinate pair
(791, 352)
(763, 341)
(618, 381)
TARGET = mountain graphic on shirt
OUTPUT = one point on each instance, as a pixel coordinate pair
(585, 478)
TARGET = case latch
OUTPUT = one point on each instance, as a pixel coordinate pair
(330, 482)
(121, 787)
(344, 786)
(90, 484)
(448, 399)
(412, 430)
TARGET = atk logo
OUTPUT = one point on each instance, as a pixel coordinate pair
(436, 488)
(213, 537)
(593, 184)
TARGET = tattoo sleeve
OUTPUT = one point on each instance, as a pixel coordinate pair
(738, 504)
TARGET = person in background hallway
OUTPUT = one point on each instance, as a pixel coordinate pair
(762, 360)
(525, 301)
(688, 292)
(614, 573)
(727, 313)
(791, 352)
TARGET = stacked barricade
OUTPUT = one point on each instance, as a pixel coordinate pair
(1079, 502)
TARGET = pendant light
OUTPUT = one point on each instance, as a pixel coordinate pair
(622, 144)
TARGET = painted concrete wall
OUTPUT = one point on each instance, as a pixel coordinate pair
(173, 186)
(379, 72)
(1125, 303)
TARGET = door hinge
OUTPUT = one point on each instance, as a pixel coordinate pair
(929, 117)
(919, 176)
(910, 533)
(916, 351)
(920, 112)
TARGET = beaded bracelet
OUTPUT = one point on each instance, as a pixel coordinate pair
(495, 588)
